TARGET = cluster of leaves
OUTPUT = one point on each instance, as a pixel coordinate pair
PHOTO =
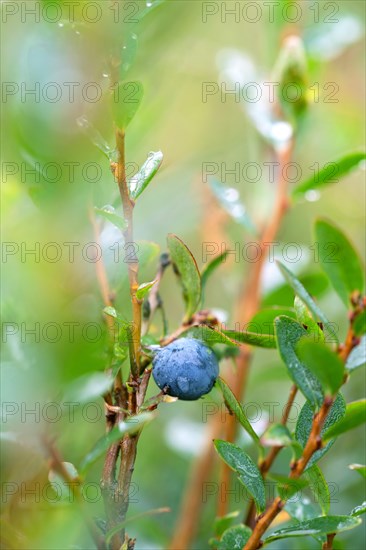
(317, 371)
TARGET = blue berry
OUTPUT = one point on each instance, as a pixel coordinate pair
(186, 369)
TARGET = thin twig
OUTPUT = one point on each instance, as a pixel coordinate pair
(328, 545)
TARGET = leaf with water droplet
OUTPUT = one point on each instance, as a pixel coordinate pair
(126, 99)
(187, 270)
(247, 470)
(288, 333)
(150, 5)
(88, 387)
(330, 173)
(339, 260)
(96, 138)
(128, 54)
(108, 213)
(62, 487)
(228, 197)
(141, 180)
(143, 289)
(301, 291)
(354, 416)
(131, 425)
(357, 357)
(317, 526)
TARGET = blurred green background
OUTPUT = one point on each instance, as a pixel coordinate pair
(178, 51)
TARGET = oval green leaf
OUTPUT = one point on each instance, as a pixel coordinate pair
(339, 260)
(187, 270)
(288, 334)
(324, 363)
(357, 357)
(129, 426)
(324, 525)
(234, 538)
(331, 173)
(319, 487)
(141, 180)
(126, 99)
(247, 470)
(108, 213)
(251, 338)
(304, 424)
(354, 416)
(303, 294)
(235, 408)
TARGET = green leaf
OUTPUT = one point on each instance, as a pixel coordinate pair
(208, 335)
(96, 138)
(323, 363)
(355, 415)
(150, 5)
(359, 510)
(141, 180)
(121, 525)
(339, 260)
(222, 523)
(291, 69)
(234, 538)
(235, 408)
(263, 321)
(147, 252)
(277, 435)
(129, 426)
(319, 487)
(128, 54)
(187, 269)
(305, 317)
(289, 333)
(287, 487)
(302, 293)
(331, 173)
(63, 488)
(88, 387)
(143, 289)
(209, 269)
(251, 338)
(316, 283)
(228, 198)
(126, 100)
(359, 324)
(323, 525)
(304, 424)
(301, 508)
(247, 470)
(358, 468)
(357, 357)
(108, 213)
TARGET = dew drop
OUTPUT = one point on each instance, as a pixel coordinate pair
(238, 211)
(281, 132)
(231, 194)
(312, 195)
